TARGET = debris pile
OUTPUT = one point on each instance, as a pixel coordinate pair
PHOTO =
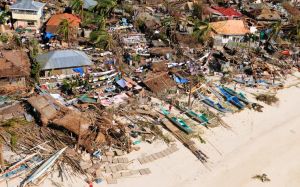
(90, 82)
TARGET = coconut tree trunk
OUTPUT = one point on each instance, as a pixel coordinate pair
(2, 28)
(1, 156)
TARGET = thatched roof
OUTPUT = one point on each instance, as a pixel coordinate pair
(44, 107)
(14, 63)
(74, 122)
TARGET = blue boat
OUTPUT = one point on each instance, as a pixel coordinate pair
(246, 82)
(211, 103)
(232, 99)
(240, 96)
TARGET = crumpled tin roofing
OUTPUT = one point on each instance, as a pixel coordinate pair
(62, 59)
(27, 5)
(89, 3)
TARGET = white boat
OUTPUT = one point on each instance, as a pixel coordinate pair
(16, 169)
(43, 168)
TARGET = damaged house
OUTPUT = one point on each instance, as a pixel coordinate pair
(14, 69)
(228, 31)
(50, 111)
(159, 82)
(63, 62)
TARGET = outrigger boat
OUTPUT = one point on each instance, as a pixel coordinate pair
(211, 103)
(232, 99)
(201, 118)
(240, 96)
(178, 122)
(20, 167)
(41, 170)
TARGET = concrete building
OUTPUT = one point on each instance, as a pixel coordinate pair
(27, 14)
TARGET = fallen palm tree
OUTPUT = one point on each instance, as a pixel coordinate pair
(268, 99)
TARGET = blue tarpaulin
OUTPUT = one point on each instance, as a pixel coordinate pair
(180, 80)
(122, 83)
(48, 35)
(79, 70)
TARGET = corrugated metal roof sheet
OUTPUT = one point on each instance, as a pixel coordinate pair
(89, 3)
(227, 11)
(230, 27)
(62, 59)
(27, 5)
(57, 18)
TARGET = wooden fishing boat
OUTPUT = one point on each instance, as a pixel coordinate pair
(181, 124)
(177, 121)
(42, 169)
(240, 96)
(17, 169)
(232, 99)
(211, 103)
(201, 118)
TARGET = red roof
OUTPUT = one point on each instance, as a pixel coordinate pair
(56, 19)
(228, 11)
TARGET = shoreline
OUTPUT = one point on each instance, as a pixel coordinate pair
(251, 130)
(234, 156)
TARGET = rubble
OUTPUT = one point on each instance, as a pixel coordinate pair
(100, 80)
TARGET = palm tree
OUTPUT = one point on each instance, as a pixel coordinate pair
(77, 6)
(295, 33)
(170, 23)
(65, 30)
(198, 9)
(201, 31)
(105, 7)
(2, 20)
(100, 38)
(98, 20)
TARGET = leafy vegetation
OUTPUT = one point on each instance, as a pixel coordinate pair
(268, 99)
(201, 31)
(3, 38)
(65, 30)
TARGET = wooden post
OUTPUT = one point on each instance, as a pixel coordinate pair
(190, 93)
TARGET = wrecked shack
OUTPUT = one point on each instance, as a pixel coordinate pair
(14, 69)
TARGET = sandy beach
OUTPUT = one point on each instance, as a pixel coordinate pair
(265, 142)
(258, 143)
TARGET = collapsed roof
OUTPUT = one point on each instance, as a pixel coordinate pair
(14, 63)
(159, 82)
